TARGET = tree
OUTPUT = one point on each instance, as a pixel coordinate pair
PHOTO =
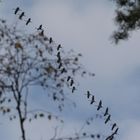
(127, 18)
(35, 60)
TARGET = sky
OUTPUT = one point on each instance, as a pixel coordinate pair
(86, 26)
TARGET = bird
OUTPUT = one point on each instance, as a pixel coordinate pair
(106, 112)
(28, 21)
(59, 60)
(21, 15)
(58, 47)
(50, 40)
(113, 126)
(92, 100)
(111, 137)
(72, 82)
(116, 131)
(60, 65)
(100, 105)
(107, 119)
(58, 55)
(73, 89)
(17, 10)
(40, 27)
(88, 94)
(68, 78)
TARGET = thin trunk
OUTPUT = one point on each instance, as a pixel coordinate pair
(21, 120)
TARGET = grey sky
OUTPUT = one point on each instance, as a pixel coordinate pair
(85, 26)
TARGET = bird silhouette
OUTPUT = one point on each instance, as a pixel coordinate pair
(116, 131)
(21, 15)
(40, 27)
(17, 10)
(58, 55)
(92, 100)
(88, 94)
(73, 89)
(106, 112)
(50, 40)
(58, 47)
(113, 126)
(68, 78)
(60, 65)
(107, 119)
(59, 60)
(28, 21)
(111, 137)
(99, 105)
(72, 82)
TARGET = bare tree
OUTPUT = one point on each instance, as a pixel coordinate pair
(32, 60)
(35, 60)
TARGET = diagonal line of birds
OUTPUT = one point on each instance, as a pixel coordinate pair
(69, 79)
(106, 115)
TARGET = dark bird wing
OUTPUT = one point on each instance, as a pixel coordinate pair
(72, 82)
(88, 94)
(113, 126)
(107, 119)
(116, 131)
(40, 27)
(92, 100)
(73, 89)
(68, 78)
(100, 105)
(21, 15)
(59, 46)
(28, 21)
(106, 112)
(16, 10)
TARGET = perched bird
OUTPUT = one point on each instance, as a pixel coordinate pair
(40, 27)
(21, 15)
(50, 40)
(106, 112)
(58, 47)
(92, 100)
(17, 10)
(28, 21)
(88, 94)
(113, 126)
(107, 119)
(72, 82)
(73, 89)
(68, 78)
(100, 105)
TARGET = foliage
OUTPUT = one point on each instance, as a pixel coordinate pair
(127, 18)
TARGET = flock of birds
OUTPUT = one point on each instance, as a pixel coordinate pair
(70, 80)
(106, 114)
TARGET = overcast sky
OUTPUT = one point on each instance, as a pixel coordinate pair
(86, 26)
